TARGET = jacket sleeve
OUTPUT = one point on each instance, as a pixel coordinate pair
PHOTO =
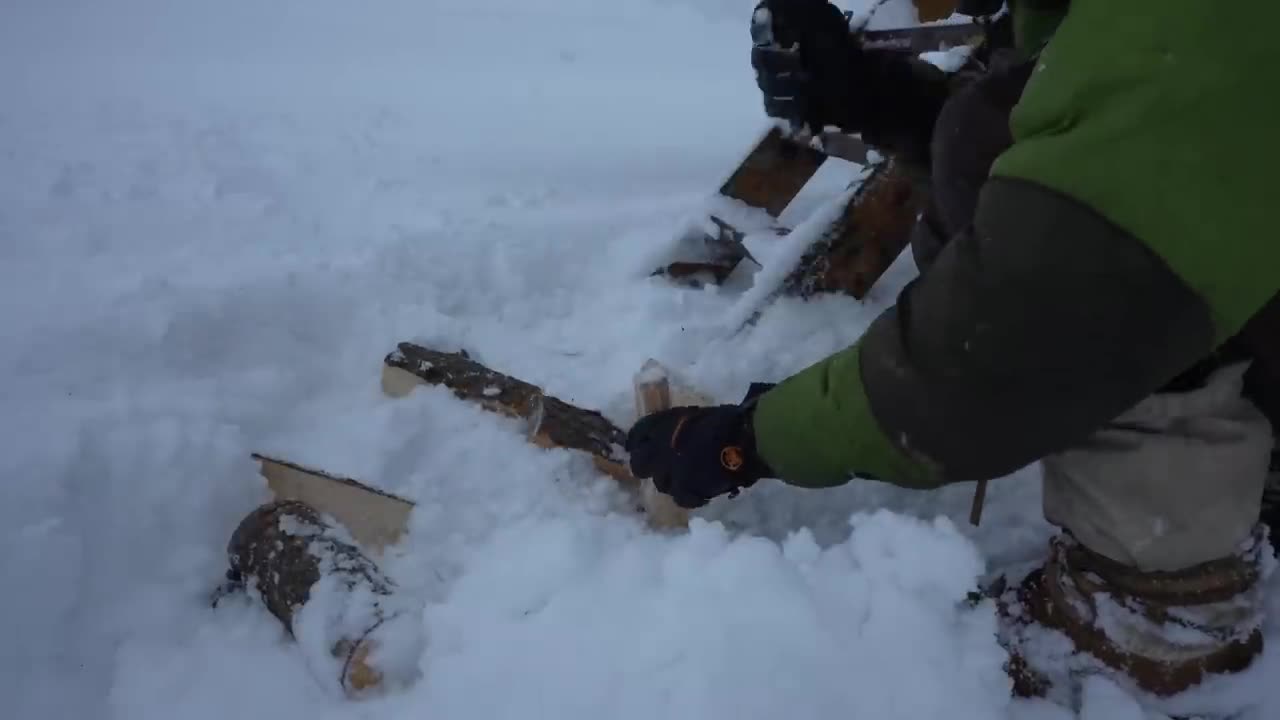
(1034, 327)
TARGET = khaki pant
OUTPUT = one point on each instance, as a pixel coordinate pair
(1173, 482)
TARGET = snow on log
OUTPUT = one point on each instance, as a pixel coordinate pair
(551, 421)
(864, 241)
(356, 634)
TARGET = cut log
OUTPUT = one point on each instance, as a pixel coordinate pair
(355, 633)
(773, 172)
(375, 518)
(873, 230)
(551, 422)
(852, 253)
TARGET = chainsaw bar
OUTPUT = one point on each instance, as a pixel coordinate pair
(923, 38)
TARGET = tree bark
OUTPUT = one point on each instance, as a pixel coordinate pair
(332, 599)
(873, 230)
(551, 421)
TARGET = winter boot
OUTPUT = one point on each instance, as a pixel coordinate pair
(1157, 632)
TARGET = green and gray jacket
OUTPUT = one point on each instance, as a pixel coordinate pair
(1121, 238)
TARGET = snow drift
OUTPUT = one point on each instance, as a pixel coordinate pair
(215, 218)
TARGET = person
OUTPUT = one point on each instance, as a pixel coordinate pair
(1099, 293)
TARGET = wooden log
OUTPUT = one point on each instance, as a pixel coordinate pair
(852, 254)
(769, 177)
(375, 518)
(872, 231)
(550, 422)
(351, 627)
(722, 252)
(773, 172)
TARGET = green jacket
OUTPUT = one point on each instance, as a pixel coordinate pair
(1120, 239)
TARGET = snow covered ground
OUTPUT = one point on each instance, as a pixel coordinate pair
(215, 220)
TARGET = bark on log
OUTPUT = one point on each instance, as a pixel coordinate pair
(771, 175)
(343, 611)
(722, 252)
(934, 10)
(551, 421)
(375, 518)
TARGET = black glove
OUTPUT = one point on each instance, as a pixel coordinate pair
(979, 8)
(695, 454)
(801, 53)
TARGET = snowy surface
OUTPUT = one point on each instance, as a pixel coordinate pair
(215, 220)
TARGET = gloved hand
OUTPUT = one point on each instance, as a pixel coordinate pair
(695, 454)
(979, 8)
(801, 53)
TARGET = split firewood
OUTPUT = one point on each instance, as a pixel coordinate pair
(773, 173)
(852, 253)
(375, 518)
(551, 422)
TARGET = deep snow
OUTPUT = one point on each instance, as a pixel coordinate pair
(216, 218)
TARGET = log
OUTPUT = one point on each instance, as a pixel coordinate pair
(773, 173)
(375, 518)
(355, 633)
(852, 254)
(769, 177)
(551, 422)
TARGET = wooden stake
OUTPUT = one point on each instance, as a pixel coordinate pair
(979, 497)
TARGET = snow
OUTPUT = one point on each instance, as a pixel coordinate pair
(1104, 700)
(781, 257)
(950, 60)
(740, 627)
(215, 221)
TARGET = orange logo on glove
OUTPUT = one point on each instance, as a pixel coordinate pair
(731, 458)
